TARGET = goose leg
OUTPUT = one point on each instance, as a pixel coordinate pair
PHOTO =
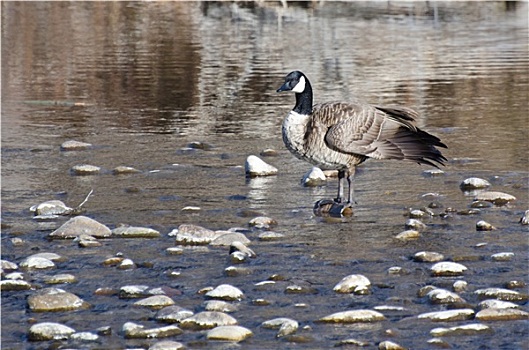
(350, 182)
(341, 177)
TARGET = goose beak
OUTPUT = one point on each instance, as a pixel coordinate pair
(284, 87)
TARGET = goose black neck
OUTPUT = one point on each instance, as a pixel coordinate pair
(304, 100)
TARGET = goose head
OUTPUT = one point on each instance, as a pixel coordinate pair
(294, 81)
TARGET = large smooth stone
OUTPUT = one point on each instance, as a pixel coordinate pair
(225, 292)
(501, 315)
(255, 166)
(55, 299)
(449, 315)
(497, 198)
(208, 319)
(229, 333)
(81, 225)
(49, 331)
(357, 284)
(189, 234)
(135, 232)
(314, 177)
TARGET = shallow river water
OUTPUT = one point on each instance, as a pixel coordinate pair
(140, 81)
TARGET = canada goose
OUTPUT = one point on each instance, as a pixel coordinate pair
(341, 135)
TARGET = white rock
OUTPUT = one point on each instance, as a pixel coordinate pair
(225, 292)
(219, 305)
(501, 294)
(226, 238)
(135, 232)
(354, 316)
(443, 296)
(497, 304)
(72, 145)
(85, 169)
(53, 207)
(448, 268)
(35, 262)
(357, 284)
(229, 333)
(460, 286)
(482, 225)
(173, 314)
(84, 336)
(314, 177)
(501, 314)
(80, 225)
(505, 256)
(238, 246)
(525, 218)
(468, 329)
(189, 234)
(167, 345)
(155, 302)
(208, 319)
(255, 166)
(408, 235)
(389, 345)
(426, 256)
(498, 198)
(449, 315)
(414, 224)
(473, 183)
(9, 284)
(49, 331)
(136, 331)
(8, 265)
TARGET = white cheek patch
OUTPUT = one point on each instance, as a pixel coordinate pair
(300, 87)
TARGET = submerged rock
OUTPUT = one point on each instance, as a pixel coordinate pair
(134, 330)
(497, 198)
(80, 225)
(55, 299)
(473, 183)
(468, 329)
(314, 177)
(173, 314)
(9, 284)
(414, 224)
(135, 232)
(448, 268)
(270, 236)
(482, 225)
(503, 314)
(189, 234)
(426, 256)
(122, 170)
(219, 305)
(37, 263)
(60, 279)
(72, 145)
(449, 315)
(238, 246)
(443, 296)
(225, 292)
(497, 304)
(263, 222)
(167, 345)
(357, 284)
(229, 333)
(49, 331)
(504, 256)
(85, 169)
(408, 235)
(285, 326)
(389, 345)
(353, 316)
(255, 166)
(227, 238)
(53, 207)
(207, 320)
(501, 294)
(155, 302)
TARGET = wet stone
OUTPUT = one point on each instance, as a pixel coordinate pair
(426, 256)
(497, 304)
(48, 255)
(155, 302)
(269, 152)
(126, 264)
(439, 343)
(60, 279)
(504, 314)
(408, 235)
(122, 170)
(53, 207)
(72, 145)
(515, 284)
(229, 333)
(134, 291)
(8, 265)
(270, 236)
(354, 316)
(87, 241)
(505, 256)
(414, 224)
(389, 345)
(460, 286)
(416, 213)
(133, 330)
(473, 183)
(49, 331)
(300, 289)
(357, 284)
(11, 285)
(225, 292)
(501, 294)
(85, 169)
(207, 320)
(449, 315)
(14, 276)
(448, 268)
(55, 299)
(497, 198)
(465, 330)
(135, 232)
(81, 225)
(255, 167)
(200, 145)
(443, 296)
(355, 343)
(234, 271)
(84, 337)
(167, 345)
(240, 247)
(433, 173)
(482, 225)
(36, 263)
(262, 222)
(481, 205)
(313, 178)
(524, 220)
(173, 314)
(189, 234)
(219, 305)
(226, 238)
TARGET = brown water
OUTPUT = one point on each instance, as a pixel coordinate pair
(149, 78)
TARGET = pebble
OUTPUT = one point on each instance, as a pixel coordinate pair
(353, 316)
(263, 222)
(447, 268)
(357, 284)
(155, 302)
(482, 225)
(60, 279)
(460, 286)
(53, 207)
(219, 305)
(37, 263)
(515, 284)
(286, 326)
(473, 183)
(426, 256)
(414, 224)
(55, 299)
(49, 331)
(269, 152)
(167, 345)
(127, 264)
(503, 314)
(173, 314)
(81, 225)
(8, 265)
(85, 169)
(122, 170)
(313, 178)
(433, 173)
(468, 329)
(497, 304)
(234, 271)
(226, 238)
(408, 235)
(524, 220)
(189, 234)
(134, 291)
(443, 296)
(72, 145)
(449, 315)
(497, 198)
(225, 292)
(135, 232)
(501, 294)
(134, 330)
(84, 336)
(207, 320)
(389, 345)
(270, 236)
(87, 241)
(229, 333)
(255, 167)
(481, 205)
(416, 213)
(10, 284)
(504, 256)
(351, 342)
(200, 145)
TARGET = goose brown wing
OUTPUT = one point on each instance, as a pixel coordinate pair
(381, 133)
